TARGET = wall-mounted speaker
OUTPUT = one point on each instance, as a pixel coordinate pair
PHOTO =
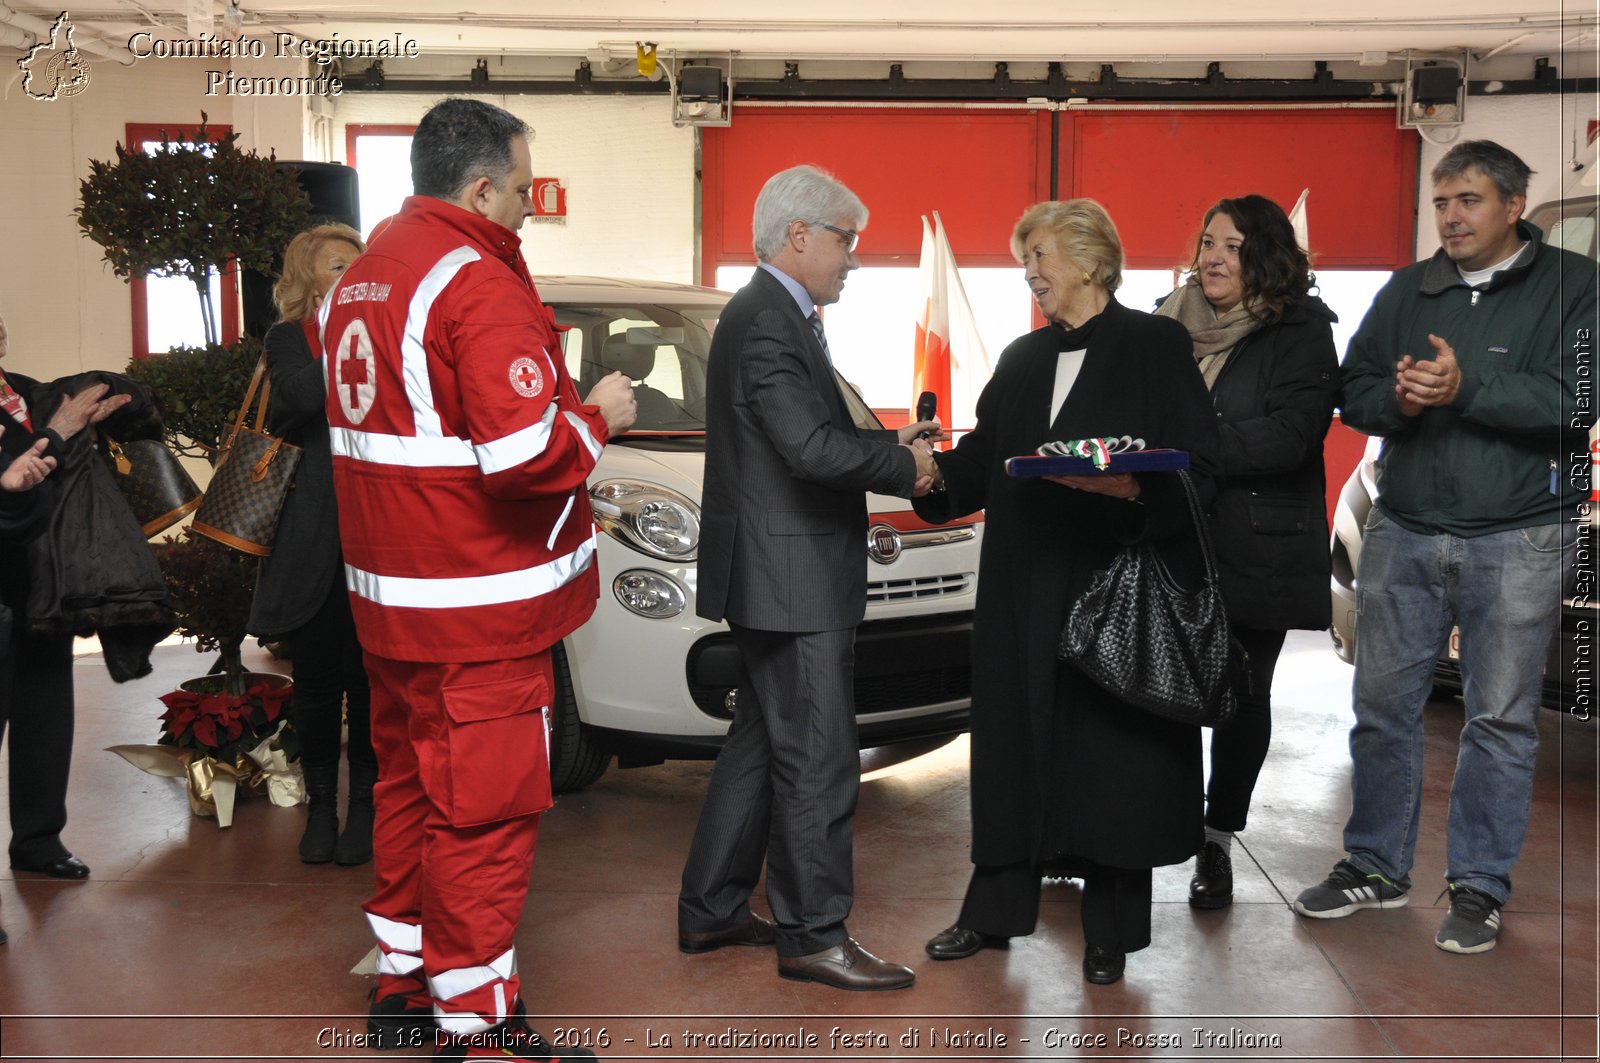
(332, 189)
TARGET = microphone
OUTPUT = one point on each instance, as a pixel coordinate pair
(927, 408)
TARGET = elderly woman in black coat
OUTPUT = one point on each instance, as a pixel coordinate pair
(1265, 348)
(1061, 768)
(300, 592)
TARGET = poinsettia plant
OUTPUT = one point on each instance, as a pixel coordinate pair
(223, 725)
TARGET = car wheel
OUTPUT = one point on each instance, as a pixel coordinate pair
(576, 759)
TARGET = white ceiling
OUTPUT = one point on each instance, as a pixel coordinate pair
(943, 30)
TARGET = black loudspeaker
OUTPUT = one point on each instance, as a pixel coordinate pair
(332, 189)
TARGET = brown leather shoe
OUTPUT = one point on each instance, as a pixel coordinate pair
(752, 930)
(846, 966)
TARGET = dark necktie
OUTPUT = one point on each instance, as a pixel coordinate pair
(815, 321)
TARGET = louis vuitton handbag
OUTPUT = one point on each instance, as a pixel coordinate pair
(252, 478)
(1140, 635)
(158, 488)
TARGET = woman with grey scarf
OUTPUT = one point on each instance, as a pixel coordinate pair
(1264, 345)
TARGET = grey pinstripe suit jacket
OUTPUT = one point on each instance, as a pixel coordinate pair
(784, 515)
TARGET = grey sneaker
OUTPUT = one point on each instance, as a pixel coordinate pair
(1472, 924)
(1348, 889)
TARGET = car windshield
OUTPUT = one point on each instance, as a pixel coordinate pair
(663, 349)
(1569, 224)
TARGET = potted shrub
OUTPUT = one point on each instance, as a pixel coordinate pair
(202, 205)
(199, 205)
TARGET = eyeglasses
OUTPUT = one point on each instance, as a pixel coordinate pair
(851, 237)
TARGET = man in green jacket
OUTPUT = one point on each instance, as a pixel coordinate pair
(1468, 364)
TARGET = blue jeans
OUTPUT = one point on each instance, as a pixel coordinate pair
(1504, 592)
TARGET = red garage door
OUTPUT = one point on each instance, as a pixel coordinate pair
(979, 169)
(1155, 170)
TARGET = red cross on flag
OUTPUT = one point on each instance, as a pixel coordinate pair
(949, 358)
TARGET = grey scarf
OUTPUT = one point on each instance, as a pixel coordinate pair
(1213, 335)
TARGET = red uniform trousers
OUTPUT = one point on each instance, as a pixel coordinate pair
(463, 772)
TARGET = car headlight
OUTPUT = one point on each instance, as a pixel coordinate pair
(655, 595)
(651, 519)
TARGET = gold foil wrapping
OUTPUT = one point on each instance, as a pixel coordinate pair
(214, 786)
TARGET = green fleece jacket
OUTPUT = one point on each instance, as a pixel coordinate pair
(1510, 451)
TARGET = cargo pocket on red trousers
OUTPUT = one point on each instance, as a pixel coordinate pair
(499, 759)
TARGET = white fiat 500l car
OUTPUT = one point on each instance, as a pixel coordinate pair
(646, 679)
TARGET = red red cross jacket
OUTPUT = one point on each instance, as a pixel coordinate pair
(460, 447)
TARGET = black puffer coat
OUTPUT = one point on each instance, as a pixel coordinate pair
(1274, 401)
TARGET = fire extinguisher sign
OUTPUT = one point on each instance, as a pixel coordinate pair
(549, 199)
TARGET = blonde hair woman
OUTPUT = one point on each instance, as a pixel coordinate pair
(300, 592)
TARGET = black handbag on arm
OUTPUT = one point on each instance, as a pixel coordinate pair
(1152, 643)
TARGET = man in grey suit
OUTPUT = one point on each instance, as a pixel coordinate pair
(783, 534)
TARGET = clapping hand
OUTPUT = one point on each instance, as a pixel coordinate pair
(1418, 385)
(28, 471)
(87, 407)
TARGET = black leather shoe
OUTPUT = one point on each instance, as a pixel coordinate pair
(957, 943)
(1212, 884)
(4, 937)
(753, 930)
(846, 966)
(1102, 966)
(68, 866)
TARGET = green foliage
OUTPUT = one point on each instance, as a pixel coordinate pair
(211, 586)
(198, 390)
(190, 208)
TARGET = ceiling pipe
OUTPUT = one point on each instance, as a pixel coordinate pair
(40, 29)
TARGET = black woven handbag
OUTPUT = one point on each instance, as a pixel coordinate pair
(158, 488)
(1144, 638)
(247, 489)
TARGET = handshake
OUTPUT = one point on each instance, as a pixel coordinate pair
(919, 437)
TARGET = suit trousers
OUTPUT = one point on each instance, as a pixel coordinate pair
(36, 706)
(784, 788)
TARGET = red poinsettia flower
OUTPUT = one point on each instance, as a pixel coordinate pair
(221, 725)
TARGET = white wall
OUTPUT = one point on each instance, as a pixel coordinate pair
(628, 172)
(64, 309)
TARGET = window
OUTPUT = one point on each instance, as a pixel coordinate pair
(166, 310)
(381, 157)
(662, 349)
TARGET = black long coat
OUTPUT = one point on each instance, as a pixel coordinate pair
(293, 581)
(1058, 764)
(1274, 400)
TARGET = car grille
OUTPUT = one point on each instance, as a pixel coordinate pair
(900, 664)
(917, 588)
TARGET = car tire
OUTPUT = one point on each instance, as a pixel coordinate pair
(576, 759)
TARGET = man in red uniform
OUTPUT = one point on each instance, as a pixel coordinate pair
(460, 451)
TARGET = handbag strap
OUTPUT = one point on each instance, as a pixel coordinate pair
(119, 459)
(260, 380)
(1199, 525)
